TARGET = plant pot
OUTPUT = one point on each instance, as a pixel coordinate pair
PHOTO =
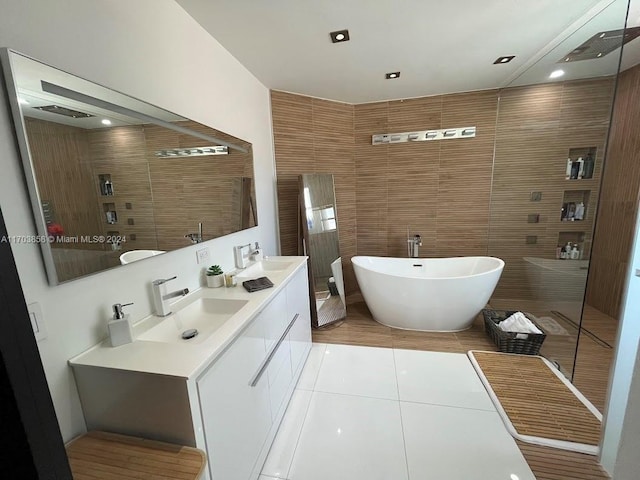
(215, 281)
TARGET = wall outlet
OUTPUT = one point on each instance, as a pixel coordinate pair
(37, 321)
(202, 255)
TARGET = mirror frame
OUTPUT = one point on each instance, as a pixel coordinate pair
(42, 236)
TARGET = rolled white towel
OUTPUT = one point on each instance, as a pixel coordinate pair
(518, 323)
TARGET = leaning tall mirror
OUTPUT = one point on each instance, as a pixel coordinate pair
(320, 233)
(113, 179)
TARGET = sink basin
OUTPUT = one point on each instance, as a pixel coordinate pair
(263, 268)
(204, 314)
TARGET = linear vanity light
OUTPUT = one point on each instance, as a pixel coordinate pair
(96, 102)
(193, 152)
(424, 136)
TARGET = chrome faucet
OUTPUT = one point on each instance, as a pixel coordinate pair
(413, 243)
(241, 254)
(197, 236)
(161, 297)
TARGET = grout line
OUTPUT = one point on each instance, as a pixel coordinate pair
(387, 399)
(306, 412)
(315, 380)
(450, 406)
(304, 420)
(404, 440)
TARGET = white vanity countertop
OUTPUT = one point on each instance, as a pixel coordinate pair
(182, 358)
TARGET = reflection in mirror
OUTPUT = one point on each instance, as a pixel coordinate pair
(320, 234)
(114, 180)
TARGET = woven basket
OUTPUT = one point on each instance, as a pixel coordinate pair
(511, 342)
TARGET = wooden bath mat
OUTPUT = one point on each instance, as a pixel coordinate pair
(537, 403)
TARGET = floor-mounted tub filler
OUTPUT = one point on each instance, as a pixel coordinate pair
(427, 294)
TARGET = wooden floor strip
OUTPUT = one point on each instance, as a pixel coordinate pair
(102, 455)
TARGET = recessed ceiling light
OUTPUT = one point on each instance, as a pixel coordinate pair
(556, 74)
(506, 59)
(599, 55)
(22, 101)
(339, 36)
(392, 75)
(106, 121)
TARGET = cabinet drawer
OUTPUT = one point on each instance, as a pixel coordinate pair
(280, 381)
(299, 341)
(236, 417)
(298, 303)
(275, 320)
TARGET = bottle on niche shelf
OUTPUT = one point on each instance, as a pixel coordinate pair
(580, 168)
(569, 167)
(579, 214)
(575, 168)
(107, 187)
(575, 253)
(589, 164)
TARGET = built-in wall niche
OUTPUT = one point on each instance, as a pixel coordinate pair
(576, 238)
(114, 239)
(575, 205)
(106, 185)
(110, 214)
(581, 163)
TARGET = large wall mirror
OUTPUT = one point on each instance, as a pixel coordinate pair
(113, 179)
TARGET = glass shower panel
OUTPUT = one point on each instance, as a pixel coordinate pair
(551, 133)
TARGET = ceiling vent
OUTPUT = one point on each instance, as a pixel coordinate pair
(67, 112)
(601, 44)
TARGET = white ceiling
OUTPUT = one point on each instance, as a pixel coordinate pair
(439, 46)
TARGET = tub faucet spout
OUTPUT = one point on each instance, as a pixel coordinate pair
(413, 244)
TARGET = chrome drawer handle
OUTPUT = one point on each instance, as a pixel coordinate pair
(265, 363)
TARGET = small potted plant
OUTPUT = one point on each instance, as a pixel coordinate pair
(215, 276)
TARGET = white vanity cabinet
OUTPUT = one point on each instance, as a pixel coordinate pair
(244, 394)
(300, 333)
(228, 402)
(236, 417)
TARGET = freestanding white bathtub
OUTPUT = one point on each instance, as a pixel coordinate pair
(428, 294)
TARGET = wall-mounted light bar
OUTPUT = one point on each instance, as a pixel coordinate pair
(424, 136)
(193, 152)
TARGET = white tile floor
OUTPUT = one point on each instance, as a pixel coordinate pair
(364, 413)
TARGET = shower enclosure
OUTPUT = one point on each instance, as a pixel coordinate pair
(550, 146)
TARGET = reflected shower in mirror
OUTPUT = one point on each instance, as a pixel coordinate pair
(109, 174)
(319, 223)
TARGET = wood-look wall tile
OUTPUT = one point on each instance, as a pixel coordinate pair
(614, 232)
(291, 113)
(414, 114)
(443, 190)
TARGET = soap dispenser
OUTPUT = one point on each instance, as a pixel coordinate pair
(119, 326)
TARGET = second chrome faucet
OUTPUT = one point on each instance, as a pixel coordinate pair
(161, 297)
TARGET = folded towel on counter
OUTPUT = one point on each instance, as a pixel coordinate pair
(518, 323)
(257, 284)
